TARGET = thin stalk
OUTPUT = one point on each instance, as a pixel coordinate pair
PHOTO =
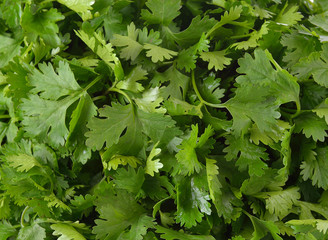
(113, 89)
(97, 79)
(23, 215)
(4, 116)
(200, 96)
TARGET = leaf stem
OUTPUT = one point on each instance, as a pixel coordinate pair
(23, 215)
(97, 79)
(200, 96)
(298, 110)
(113, 89)
(4, 116)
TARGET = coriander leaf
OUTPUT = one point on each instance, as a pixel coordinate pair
(22, 162)
(9, 48)
(82, 7)
(250, 155)
(209, 89)
(82, 114)
(129, 179)
(261, 228)
(139, 230)
(322, 110)
(161, 11)
(117, 213)
(314, 166)
(131, 81)
(251, 105)
(169, 234)
(45, 119)
(150, 101)
(298, 47)
(51, 85)
(281, 202)
(176, 107)
(289, 15)
(43, 116)
(48, 30)
(320, 20)
(32, 232)
(153, 166)
(224, 200)
(158, 53)
(109, 130)
(104, 50)
(177, 83)
(312, 126)
(118, 118)
(216, 59)
(192, 200)
(253, 40)
(11, 12)
(192, 34)
(187, 156)
(131, 48)
(6, 230)
(117, 160)
(66, 232)
(316, 64)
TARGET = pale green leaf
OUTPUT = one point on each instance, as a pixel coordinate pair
(82, 7)
(158, 53)
(216, 59)
(66, 232)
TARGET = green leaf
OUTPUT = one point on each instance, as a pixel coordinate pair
(129, 179)
(32, 232)
(187, 156)
(210, 89)
(6, 230)
(224, 200)
(261, 228)
(192, 200)
(315, 166)
(153, 166)
(312, 126)
(82, 7)
(216, 59)
(22, 162)
(253, 40)
(316, 64)
(118, 118)
(51, 85)
(280, 203)
(289, 15)
(161, 11)
(158, 53)
(9, 48)
(131, 48)
(44, 117)
(48, 30)
(82, 114)
(66, 232)
(250, 156)
(193, 33)
(322, 110)
(320, 20)
(298, 47)
(117, 213)
(169, 234)
(131, 81)
(104, 50)
(177, 83)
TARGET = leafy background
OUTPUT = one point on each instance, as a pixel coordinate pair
(187, 120)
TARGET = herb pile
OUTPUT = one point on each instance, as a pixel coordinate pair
(163, 119)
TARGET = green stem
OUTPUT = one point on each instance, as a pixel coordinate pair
(23, 215)
(98, 98)
(200, 96)
(298, 110)
(112, 89)
(97, 79)
(4, 116)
